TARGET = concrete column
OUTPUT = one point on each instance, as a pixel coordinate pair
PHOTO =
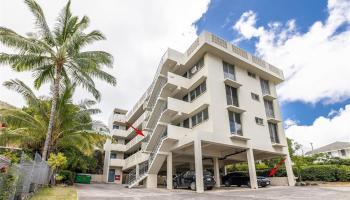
(137, 171)
(198, 165)
(151, 181)
(225, 170)
(252, 171)
(169, 171)
(216, 172)
(289, 169)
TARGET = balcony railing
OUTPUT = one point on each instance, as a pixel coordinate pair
(229, 76)
(236, 128)
(270, 113)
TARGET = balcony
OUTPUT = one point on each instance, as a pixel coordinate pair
(236, 131)
(230, 79)
(268, 96)
(186, 109)
(135, 158)
(119, 133)
(116, 162)
(236, 109)
(131, 145)
(180, 85)
(117, 147)
(271, 116)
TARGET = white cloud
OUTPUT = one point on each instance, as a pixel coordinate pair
(324, 130)
(289, 122)
(138, 33)
(315, 63)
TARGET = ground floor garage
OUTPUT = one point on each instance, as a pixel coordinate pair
(113, 191)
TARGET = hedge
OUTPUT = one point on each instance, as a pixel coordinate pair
(329, 173)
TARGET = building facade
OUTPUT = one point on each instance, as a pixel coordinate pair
(211, 106)
(335, 150)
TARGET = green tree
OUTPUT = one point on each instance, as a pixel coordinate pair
(57, 162)
(27, 127)
(57, 56)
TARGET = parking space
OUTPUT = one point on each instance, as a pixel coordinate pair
(111, 191)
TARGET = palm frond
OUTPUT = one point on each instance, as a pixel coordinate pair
(40, 21)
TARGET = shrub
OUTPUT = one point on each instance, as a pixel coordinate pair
(319, 173)
(68, 177)
(343, 173)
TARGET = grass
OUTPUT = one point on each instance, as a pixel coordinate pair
(56, 193)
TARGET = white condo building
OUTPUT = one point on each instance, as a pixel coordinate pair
(208, 107)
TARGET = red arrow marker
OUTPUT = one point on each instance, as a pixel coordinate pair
(139, 132)
(274, 170)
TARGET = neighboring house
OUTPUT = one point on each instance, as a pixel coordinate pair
(211, 106)
(335, 149)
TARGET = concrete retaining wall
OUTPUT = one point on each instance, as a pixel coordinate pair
(278, 181)
(97, 178)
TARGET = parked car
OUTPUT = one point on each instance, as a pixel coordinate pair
(188, 180)
(239, 178)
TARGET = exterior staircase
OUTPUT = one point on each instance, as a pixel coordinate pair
(157, 105)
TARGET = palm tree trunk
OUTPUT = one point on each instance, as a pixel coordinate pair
(55, 97)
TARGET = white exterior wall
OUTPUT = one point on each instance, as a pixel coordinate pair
(216, 129)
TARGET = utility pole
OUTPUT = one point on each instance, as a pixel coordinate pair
(312, 146)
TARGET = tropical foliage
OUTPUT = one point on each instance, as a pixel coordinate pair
(58, 57)
(27, 127)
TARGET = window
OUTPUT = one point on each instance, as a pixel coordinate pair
(199, 117)
(229, 70)
(235, 123)
(195, 93)
(113, 155)
(185, 98)
(259, 121)
(231, 95)
(115, 126)
(265, 88)
(255, 97)
(269, 109)
(273, 133)
(186, 123)
(252, 75)
(343, 152)
(193, 70)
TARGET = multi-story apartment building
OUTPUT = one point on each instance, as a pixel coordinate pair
(211, 106)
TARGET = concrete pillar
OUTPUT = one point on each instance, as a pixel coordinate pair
(137, 171)
(169, 171)
(198, 165)
(151, 181)
(216, 172)
(251, 167)
(289, 169)
(225, 170)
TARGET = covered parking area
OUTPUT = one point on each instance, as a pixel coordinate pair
(202, 155)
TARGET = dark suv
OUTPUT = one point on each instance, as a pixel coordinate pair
(188, 180)
(239, 178)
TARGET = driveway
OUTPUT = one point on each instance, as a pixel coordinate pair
(111, 191)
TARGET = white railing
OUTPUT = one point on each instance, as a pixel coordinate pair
(236, 129)
(211, 38)
(229, 76)
(137, 105)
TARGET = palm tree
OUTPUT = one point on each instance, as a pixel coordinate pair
(27, 127)
(57, 56)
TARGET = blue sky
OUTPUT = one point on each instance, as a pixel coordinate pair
(222, 14)
(309, 40)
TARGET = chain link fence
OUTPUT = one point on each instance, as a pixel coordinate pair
(18, 181)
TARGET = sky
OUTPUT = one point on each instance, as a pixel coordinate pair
(308, 40)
